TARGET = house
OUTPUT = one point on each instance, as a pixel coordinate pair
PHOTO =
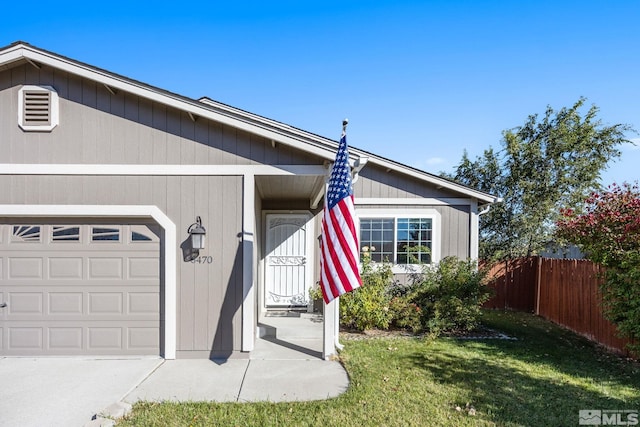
(102, 177)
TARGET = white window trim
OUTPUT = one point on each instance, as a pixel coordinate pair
(400, 212)
(54, 109)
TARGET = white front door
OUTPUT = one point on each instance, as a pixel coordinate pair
(287, 264)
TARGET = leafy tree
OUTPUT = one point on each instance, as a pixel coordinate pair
(609, 233)
(545, 164)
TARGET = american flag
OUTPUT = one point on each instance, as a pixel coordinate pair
(339, 242)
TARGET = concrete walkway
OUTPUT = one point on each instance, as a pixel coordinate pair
(285, 366)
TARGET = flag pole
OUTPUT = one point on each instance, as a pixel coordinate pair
(336, 335)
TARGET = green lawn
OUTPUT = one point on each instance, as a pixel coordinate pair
(541, 379)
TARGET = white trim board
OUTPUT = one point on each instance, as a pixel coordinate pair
(128, 211)
(159, 170)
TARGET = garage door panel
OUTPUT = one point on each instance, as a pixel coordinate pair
(109, 338)
(105, 303)
(105, 268)
(65, 338)
(25, 268)
(79, 297)
(25, 338)
(143, 338)
(66, 303)
(66, 268)
(144, 268)
(143, 303)
(21, 303)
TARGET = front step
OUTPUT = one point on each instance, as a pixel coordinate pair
(302, 326)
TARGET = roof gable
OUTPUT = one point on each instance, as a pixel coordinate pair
(275, 131)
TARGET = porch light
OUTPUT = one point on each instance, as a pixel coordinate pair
(197, 233)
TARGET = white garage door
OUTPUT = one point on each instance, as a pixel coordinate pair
(79, 289)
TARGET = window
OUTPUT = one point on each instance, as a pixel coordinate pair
(38, 108)
(413, 240)
(63, 233)
(376, 237)
(26, 233)
(100, 234)
(399, 240)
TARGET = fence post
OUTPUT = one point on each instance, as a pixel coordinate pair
(538, 282)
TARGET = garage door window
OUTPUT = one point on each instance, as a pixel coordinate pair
(26, 233)
(64, 233)
(101, 234)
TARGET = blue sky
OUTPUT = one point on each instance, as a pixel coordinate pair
(420, 81)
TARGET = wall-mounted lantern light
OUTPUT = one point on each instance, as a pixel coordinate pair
(197, 233)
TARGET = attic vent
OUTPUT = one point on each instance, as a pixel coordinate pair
(38, 109)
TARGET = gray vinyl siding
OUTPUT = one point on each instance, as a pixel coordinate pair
(376, 182)
(209, 295)
(455, 231)
(97, 127)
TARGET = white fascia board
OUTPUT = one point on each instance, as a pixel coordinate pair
(299, 140)
(13, 54)
(159, 170)
(128, 211)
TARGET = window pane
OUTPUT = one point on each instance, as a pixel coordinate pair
(414, 240)
(65, 233)
(139, 237)
(376, 236)
(26, 233)
(105, 234)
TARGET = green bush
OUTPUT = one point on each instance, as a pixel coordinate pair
(405, 314)
(443, 298)
(450, 295)
(368, 306)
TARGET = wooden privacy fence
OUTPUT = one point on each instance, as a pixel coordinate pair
(565, 291)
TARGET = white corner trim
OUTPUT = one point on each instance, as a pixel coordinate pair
(474, 231)
(105, 211)
(248, 249)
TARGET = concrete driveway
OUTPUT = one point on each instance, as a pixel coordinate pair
(285, 365)
(65, 391)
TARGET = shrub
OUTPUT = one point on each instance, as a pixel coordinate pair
(368, 306)
(405, 314)
(450, 295)
(609, 233)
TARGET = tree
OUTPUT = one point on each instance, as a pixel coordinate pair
(609, 233)
(545, 164)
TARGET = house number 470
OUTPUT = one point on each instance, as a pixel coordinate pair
(202, 260)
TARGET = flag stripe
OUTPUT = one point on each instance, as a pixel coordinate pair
(339, 250)
(350, 239)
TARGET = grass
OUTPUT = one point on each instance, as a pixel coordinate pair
(543, 378)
